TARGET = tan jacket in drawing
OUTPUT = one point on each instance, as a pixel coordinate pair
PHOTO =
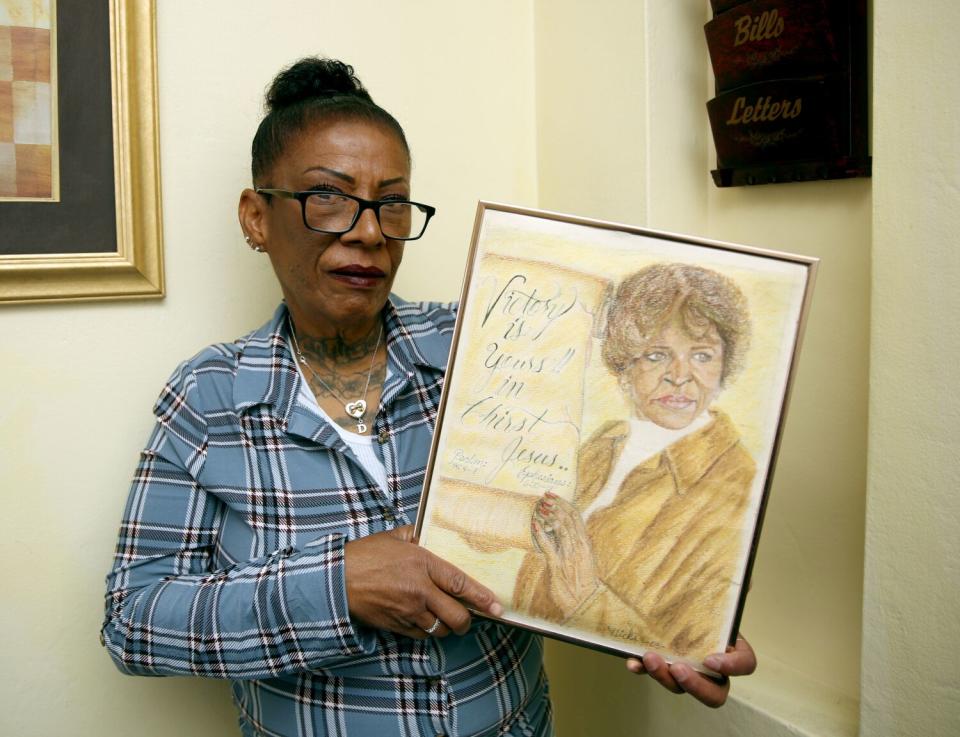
(669, 546)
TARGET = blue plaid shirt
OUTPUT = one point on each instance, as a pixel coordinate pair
(230, 560)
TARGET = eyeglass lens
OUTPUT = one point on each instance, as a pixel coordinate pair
(333, 213)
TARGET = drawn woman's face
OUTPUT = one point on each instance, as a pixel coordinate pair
(676, 376)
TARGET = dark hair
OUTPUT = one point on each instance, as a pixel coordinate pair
(308, 91)
(647, 299)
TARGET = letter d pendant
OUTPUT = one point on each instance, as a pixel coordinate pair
(357, 410)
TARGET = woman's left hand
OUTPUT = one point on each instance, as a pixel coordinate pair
(738, 660)
(561, 536)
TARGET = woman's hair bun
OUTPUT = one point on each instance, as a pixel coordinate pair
(313, 78)
(306, 93)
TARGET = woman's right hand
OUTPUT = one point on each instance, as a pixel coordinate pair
(394, 584)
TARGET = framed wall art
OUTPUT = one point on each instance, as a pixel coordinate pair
(606, 439)
(80, 215)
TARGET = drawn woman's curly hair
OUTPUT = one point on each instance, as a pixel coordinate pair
(647, 299)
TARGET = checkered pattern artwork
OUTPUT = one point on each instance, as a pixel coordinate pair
(27, 100)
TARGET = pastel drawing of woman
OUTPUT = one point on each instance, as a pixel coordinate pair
(650, 549)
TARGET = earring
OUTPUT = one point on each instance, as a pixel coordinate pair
(256, 247)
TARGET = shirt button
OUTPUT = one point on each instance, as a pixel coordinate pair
(382, 437)
(388, 515)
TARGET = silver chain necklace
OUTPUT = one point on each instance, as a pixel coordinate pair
(357, 408)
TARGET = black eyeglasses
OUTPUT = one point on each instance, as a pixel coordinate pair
(336, 213)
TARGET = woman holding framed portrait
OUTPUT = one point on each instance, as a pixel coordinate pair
(267, 536)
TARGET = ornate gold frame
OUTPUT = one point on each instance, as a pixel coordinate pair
(135, 270)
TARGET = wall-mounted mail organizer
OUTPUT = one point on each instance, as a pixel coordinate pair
(791, 84)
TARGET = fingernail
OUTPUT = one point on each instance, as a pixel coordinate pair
(634, 665)
(680, 672)
(496, 609)
(713, 662)
(551, 495)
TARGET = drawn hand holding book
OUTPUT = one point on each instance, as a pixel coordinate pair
(561, 537)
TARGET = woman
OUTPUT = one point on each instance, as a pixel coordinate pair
(652, 546)
(267, 534)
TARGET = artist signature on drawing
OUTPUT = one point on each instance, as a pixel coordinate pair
(627, 632)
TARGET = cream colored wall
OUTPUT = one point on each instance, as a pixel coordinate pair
(79, 379)
(911, 611)
(591, 107)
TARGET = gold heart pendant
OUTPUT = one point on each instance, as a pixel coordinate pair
(356, 409)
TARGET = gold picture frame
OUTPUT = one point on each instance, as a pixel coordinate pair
(135, 268)
(606, 439)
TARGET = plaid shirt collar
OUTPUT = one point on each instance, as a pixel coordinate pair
(410, 343)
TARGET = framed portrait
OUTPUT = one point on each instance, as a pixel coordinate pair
(80, 215)
(607, 435)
